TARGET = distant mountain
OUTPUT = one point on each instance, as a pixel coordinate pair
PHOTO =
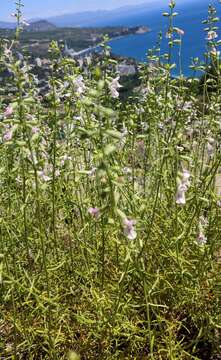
(41, 25)
(103, 17)
(124, 16)
(7, 25)
(38, 25)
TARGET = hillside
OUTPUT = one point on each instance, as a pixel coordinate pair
(36, 39)
(41, 26)
(7, 25)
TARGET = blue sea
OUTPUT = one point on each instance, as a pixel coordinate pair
(189, 19)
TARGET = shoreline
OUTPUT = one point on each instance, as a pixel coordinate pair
(93, 48)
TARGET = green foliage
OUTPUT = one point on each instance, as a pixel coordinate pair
(110, 211)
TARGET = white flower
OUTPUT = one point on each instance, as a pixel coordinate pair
(214, 51)
(127, 170)
(80, 62)
(43, 176)
(79, 85)
(211, 35)
(181, 194)
(25, 23)
(179, 31)
(114, 86)
(186, 177)
(201, 238)
(38, 62)
(129, 230)
(182, 188)
(92, 171)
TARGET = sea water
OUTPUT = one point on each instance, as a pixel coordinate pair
(193, 42)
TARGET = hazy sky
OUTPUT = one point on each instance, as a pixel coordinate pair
(44, 8)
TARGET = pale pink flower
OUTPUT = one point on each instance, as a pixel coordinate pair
(8, 135)
(201, 239)
(129, 229)
(114, 86)
(35, 130)
(95, 212)
(8, 111)
(179, 31)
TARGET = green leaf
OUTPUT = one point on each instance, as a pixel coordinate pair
(109, 149)
(114, 133)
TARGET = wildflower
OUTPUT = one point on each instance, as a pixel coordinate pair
(209, 149)
(114, 86)
(18, 180)
(7, 52)
(127, 170)
(65, 158)
(57, 173)
(186, 176)
(8, 111)
(89, 60)
(129, 230)
(211, 35)
(43, 176)
(201, 239)
(210, 146)
(182, 188)
(38, 62)
(8, 135)
(25, 23)
(80, 62)
(79, 84)
(95, 212)
(66, 84)
(168, 35)
(92, 171)
(218, 203)
(181, 195)
(35, 130)
(203, 221)
(179, 31)
(214, 51)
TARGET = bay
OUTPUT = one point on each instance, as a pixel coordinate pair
(189, 19)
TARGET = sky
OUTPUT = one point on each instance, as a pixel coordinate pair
(46, 8)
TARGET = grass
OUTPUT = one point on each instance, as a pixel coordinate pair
(110, 215)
